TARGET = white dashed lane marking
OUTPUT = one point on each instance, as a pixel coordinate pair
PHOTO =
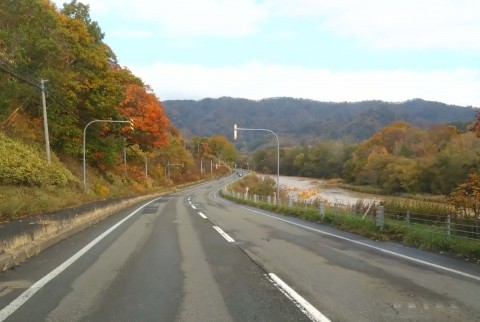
(224, 234)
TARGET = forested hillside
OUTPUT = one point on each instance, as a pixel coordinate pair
(61, 52)
(83, 81)
(307, 121)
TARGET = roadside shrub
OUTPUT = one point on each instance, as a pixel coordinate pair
(23, 165)
(101, 189)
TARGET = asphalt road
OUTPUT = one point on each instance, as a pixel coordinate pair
(192, 256)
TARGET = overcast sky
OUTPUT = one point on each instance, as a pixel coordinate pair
(332, 50)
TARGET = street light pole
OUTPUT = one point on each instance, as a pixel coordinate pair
(236, 128)
(84, 135)
(167, 168)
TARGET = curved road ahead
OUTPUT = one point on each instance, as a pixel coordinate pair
(192, 256)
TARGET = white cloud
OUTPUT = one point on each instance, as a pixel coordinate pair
(392, 24)
(231, 18)
(256, 81)
(382, 24)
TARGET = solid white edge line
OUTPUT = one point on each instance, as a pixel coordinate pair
(202, 215)
(304, 305)
(25, 296)
(224, 234)
(413, 259)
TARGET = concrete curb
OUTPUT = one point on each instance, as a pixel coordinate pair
(21, 254)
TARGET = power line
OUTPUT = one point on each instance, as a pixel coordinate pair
(36, 85)
(11, 73)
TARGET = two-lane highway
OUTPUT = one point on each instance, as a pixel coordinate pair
(159, 262)
(193, 256)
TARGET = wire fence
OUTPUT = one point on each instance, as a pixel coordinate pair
(446, 225)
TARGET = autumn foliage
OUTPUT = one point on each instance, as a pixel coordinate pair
(85, 83)
(466, 197)
(476, 126)
(148, 116)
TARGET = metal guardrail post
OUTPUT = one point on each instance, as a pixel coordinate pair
(448, 226)
(321, 209)
(380, 217)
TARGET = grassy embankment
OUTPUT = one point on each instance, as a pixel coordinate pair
(418, 235)
(30, 186)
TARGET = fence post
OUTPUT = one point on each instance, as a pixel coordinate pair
(269, 199)
(448, 226)
(334, 208)
(290, 201)
(408, 217)
(380, 217)
(321, 209)
(255, 198)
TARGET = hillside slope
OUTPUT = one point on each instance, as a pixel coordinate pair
(304, 121)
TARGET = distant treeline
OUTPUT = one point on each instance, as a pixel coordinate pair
(398, 158)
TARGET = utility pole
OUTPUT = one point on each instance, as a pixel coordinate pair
(125, 156)
(45, 121)
(146, 168)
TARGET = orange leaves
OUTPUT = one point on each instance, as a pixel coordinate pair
(148, 115)
(476, 126)
(466, 196)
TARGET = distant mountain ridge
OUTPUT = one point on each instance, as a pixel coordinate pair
(303, 121)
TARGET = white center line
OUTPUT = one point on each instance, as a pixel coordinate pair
(224, 234)
(202, 215)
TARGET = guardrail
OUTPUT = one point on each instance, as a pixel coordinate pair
(446, 225)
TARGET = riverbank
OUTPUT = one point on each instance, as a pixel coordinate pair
(329, 191)
(334, 192)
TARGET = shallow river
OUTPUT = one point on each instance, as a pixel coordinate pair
(309, 188)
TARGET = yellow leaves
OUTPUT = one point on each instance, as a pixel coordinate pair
(24, 165)
(466, 197)
(101, 189)
(379, 150)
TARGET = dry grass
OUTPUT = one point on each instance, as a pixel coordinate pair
(13, 200)
(9, 245)
(51, 228)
